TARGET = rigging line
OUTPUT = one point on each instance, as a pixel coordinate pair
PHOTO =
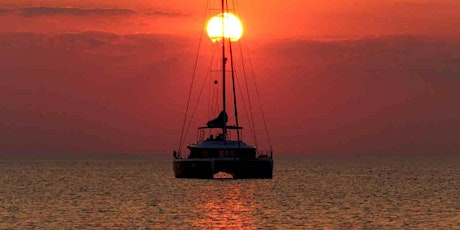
(233, 85)
(212, 92)
(255, 84)
(224, 61)
(251, 121)
(193, 80)
(216, 105)
(258, 98)
(245, 108)
(248, 118)
(201, 92)
(209, 98)
(214, 99)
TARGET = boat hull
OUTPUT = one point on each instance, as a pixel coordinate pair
(238, 168)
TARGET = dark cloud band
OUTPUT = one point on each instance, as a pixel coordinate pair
(53, 11)
(4, 11)
(43, 11)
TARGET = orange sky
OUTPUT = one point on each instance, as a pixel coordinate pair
(336, 76)
(270, 19)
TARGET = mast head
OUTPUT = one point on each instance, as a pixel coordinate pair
(231, 24)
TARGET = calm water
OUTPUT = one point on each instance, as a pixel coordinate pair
(306, 193)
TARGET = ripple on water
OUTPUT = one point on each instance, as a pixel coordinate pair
(306, 192)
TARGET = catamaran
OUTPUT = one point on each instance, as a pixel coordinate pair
(219, 147)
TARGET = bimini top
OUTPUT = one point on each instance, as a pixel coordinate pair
(216, 144)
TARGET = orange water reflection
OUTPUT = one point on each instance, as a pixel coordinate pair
(226, 206)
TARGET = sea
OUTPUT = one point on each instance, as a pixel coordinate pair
(306, 192)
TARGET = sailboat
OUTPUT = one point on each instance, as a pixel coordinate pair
(223, 153)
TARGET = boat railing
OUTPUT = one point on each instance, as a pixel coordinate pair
(264, 154)
(267, 154)
(205, 133)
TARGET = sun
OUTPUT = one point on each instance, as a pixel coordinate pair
(233, 28)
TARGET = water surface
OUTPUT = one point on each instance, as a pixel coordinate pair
(307, 192)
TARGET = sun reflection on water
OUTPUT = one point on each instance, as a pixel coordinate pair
(226, 206)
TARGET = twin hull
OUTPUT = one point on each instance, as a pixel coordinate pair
(238, 168)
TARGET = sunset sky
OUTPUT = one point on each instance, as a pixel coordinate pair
(345, 77)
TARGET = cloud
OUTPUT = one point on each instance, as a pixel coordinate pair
(39, 11)
(46, 11)
(163, 13)
(4, 11)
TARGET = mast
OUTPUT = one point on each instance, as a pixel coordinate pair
(224, 61)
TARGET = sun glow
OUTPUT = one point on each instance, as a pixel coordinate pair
(233, 28)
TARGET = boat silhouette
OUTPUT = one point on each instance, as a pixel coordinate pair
(223, 152)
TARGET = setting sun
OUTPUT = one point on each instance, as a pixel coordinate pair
(233, 27)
